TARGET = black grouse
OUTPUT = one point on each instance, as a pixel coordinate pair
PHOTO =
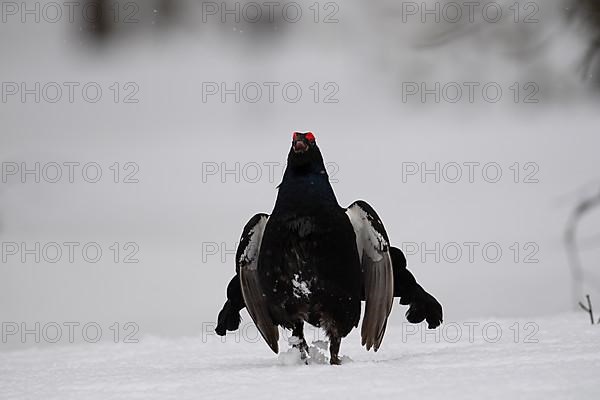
(314, 261)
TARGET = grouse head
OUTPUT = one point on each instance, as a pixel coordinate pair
(305, 154)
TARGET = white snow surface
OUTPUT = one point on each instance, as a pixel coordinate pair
(563, 364)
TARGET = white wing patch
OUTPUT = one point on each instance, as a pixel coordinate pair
(250, 253)
(368, 240)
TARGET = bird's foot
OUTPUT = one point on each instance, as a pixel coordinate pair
(300, 344)
(335, 360)
(334, 349)
(304, 355)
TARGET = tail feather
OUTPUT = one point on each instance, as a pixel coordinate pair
(229, 317)
(425, 307)
(228, 320)
(422, 305)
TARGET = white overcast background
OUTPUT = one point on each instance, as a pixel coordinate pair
(368, 135)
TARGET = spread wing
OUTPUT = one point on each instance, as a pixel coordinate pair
(373, 249)
(246, 265)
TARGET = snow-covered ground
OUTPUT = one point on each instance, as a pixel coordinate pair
(547, 358)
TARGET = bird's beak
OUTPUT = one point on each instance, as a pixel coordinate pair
(300, 146)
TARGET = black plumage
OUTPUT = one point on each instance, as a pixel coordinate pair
(314, 261)
(422, 305)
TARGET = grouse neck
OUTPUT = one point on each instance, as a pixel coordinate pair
(305, 189)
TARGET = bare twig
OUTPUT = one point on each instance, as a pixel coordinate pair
(588, 308)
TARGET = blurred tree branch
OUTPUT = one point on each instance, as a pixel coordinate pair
(114, 15)
(583, 12)
(588, 12)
